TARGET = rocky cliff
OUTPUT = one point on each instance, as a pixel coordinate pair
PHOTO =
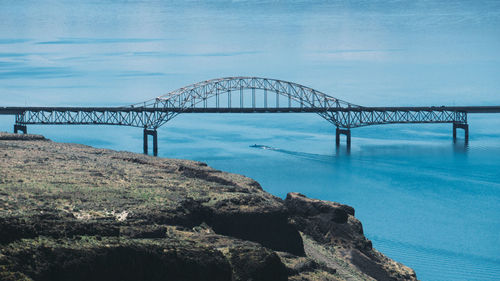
(73, 212)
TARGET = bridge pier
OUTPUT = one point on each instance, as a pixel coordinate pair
(154, 134)
(346, 132)
(465, 127)
(22, 128)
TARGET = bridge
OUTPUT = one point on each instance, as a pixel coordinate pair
(243, 95)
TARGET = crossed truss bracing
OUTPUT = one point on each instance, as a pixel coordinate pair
(366, 116)
(239, 95)
(88, 116)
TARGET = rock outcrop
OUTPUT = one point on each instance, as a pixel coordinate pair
(333, 226)
(73, 212)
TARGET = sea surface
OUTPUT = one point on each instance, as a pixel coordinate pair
(425, 201)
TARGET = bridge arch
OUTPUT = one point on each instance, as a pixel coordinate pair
(229, 94)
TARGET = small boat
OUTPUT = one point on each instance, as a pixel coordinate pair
(261, 146)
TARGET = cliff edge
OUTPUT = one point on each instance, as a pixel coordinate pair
(73, 212)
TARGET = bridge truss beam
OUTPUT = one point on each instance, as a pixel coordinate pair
(361, 117)
(242, 95)
(142, 118)
(148, 118)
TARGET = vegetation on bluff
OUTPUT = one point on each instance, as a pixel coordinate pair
(72, 212)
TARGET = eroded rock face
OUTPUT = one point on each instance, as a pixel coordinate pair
(271, 229)
(89, 258)
(250, 264)
(327, 222)
(333, 225)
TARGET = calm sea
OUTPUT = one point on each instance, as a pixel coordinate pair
(423, 200)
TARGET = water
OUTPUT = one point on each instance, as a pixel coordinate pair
(423, 200)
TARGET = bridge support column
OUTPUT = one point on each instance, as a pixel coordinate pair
(346, 132)
(22, 128)
(465, 127)
(154, 134)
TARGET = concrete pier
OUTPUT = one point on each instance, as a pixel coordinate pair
(346, 132)
(465, 127)
(154, 134)
(22, 128)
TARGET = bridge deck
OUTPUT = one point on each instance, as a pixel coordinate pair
(467, 109)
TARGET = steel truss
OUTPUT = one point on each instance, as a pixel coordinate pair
(367, 116)
(88, 116)
(239, 95)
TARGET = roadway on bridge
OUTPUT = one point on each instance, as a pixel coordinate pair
(467, 109)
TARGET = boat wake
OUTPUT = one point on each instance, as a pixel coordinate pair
(311, 156)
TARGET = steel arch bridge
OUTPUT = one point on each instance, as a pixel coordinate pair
(245, 95)
(242, 95)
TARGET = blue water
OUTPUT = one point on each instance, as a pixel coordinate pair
(423, 200)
